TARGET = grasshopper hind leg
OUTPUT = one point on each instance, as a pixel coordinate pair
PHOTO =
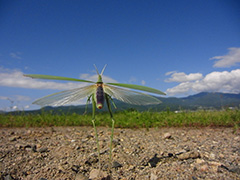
(95, 130)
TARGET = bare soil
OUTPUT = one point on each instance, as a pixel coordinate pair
(158, 153)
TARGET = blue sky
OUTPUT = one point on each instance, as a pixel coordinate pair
(179, 47)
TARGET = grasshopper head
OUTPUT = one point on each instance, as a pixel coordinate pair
(100, 75)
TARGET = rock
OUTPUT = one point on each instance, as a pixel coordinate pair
(167, 135)
(199, 161)
(80, 177)
(43, 149)
(13, 138)
(212, 156)
(153, 176)
(188, 155)
(19, 146)
(204, 167)
(96, 174)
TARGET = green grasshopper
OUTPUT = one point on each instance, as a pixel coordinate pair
(98, 93)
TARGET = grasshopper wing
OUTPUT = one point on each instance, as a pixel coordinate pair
(129, 96)
(66, 97)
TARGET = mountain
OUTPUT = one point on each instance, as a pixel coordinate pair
(204, 100)
(212, 100)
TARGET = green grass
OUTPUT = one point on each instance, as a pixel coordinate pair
(126, 119)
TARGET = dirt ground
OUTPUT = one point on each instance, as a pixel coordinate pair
(158, 153)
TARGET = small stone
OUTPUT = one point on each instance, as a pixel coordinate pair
(28, 147)
(116, 164)
(237, 138)
(167, 135)
(96, 174)
(188, 155)
(13, 138)
(199, 161)
(204, 167)
(221, 155)
(80, 177)
(19, 146)
(43, 149)
(42, 179)
(212, 156)
(213, 163)
(153, 176)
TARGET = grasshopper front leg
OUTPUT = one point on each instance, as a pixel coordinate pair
(88, 101)
(108, 98)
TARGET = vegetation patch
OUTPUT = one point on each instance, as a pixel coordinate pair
(125, 119)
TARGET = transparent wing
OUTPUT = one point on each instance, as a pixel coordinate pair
(66, 97)
(129, 96)
(138, 87)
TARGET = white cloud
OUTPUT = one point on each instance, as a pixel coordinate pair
(182, 77)
(231, 59)
(15, 78)
(15, 55)
(225, 81)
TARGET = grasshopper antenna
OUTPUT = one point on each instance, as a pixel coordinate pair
(103, 69)
(96, 69)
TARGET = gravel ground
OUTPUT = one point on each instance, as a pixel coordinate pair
(157, 153)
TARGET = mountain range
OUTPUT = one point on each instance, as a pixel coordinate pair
(203, 100)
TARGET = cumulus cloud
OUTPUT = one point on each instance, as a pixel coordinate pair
(225, 81)
(15, 78)
(228, 60)
(182, 77)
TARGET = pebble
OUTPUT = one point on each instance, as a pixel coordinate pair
(204, 167)
(95, 174)
(199, 161)
(43, 149)
(188, 155)
(153, 176)
(167, 135)
(80, 177)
